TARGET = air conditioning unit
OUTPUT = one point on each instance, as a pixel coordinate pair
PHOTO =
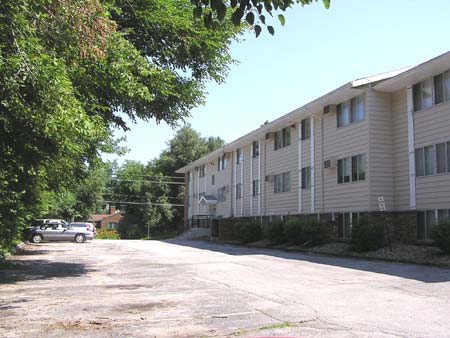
(226, 188)
(269, 178)
(196, 168)
(329, 109)
(293, 125)
(329, 164)
(269, 136)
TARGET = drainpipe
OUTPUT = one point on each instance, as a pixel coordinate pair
(411, 150)
(251, 179)
(321, 165)
(299, 184)
(235, 182)
(242, 182)
(198, 191)
(312, 165)
(259, 176)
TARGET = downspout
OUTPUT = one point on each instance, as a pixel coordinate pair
(251, 179)
(232, 182)
(198, 191)
(242, 182)
(411, 150)
(235, 182)
(259, 176)
(299, 161)
(313, 202)
(321, 165)
(186, 200)
(206, 180)
(265, 173)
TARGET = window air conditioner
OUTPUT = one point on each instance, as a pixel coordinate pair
(329, 109)
(269, 178)
(329, 164)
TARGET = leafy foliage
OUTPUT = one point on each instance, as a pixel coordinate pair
(250, 12)
(274, 232)
(247, 231)
(69, 72)
(146, 185)
(107, 234)
(440, 233)
(367, 235)
(307, 231)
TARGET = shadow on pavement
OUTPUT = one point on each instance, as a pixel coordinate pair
(39, 269)
(426, 274)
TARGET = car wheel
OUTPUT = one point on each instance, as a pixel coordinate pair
(80, 238)
(36, 238)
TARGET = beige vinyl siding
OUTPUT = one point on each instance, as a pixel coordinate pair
(280, 161)
(340, 143)
(223, 178)
(318, 164)
(381, 168)
(400, 150)
(255, 176)
(432, 126)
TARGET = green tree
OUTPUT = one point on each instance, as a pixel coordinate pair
(248, 12)
(70, 70)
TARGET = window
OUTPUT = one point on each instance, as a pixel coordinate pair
(213, 180)
(255, 187)
(221, 194)
(357, 108)
(306, 129)
(425, 222)
(343, 114)
(202, 171)
(222, 162)
(420, 166)
(282, 138)
(429, 160)
(346, 221)
(422, 95)
(282, 182)
(113, 225)
(255, 149)
(344, 170)
(239, 156)
(306, 178)
(442, 87)
(238, 191)
(441, 158)
(354, 167)
(351, 111)
(433, 159)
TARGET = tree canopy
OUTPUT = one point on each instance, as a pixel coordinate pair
(71, 70)
(249, 12)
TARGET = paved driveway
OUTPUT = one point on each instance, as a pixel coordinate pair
(197, 289)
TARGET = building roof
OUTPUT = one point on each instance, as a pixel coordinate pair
(101, 217)
(389, 81)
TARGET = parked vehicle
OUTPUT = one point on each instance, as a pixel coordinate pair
(89, 226)
(58, 231)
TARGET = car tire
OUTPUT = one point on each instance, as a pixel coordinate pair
(80, 238)
(36, 238)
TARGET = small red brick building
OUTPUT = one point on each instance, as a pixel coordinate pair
(107, 221)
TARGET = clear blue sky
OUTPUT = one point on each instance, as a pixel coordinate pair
(315, 52)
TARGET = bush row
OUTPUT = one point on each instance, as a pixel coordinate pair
(366, 235)
(298, 231)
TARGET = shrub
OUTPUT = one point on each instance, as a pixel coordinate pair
(107, 234)
(247, 231)
(274, 232)
(441, 236)
(293, 230)
(307, 231)
(367, 236)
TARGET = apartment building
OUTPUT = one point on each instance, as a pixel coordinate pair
(384, 138)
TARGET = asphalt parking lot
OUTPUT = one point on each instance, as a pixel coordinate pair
(198, 289)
